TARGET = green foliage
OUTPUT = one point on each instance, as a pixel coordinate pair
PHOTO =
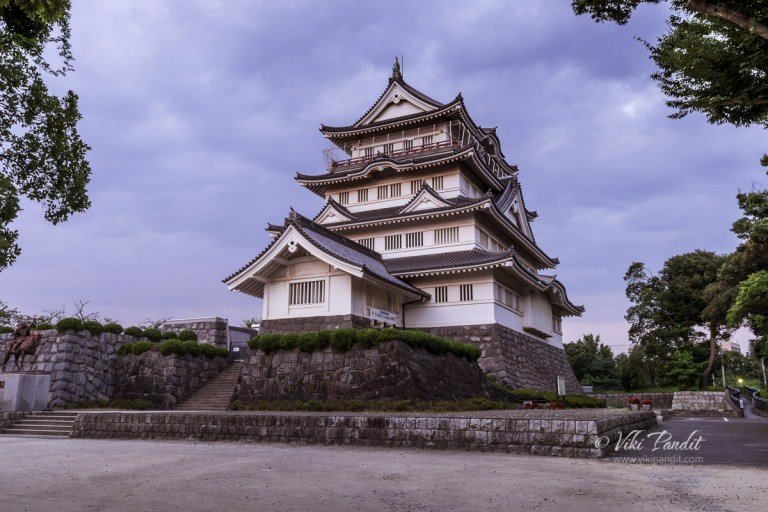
(187, 335)
(472, 404)
(42, 156)
(113, 328)
(193, 348)
(136, 348)
(212, 351)
(69, 324)
(93, 327)
(134, 331)
(683, 371)
(4, 329)
(341, 340)
(152, 334)
(44, 327)
(173, 347)
(170, 335)
(592, 362)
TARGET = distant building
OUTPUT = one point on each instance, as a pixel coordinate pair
(424, 226)
(730, 346)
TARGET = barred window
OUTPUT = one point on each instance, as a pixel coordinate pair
(441, 294)
(416, 186)
(383, 191)
(407, 144)
(366, 242)
(344, 198)
(557, 324)
(446, 235)
(307, 292)
(414, 239)
(508, 297)
(389, 148)
(426, 141)
(465, 292)
(395, 190)
(392, 242)
(362, 195)
(437, 183)
(368, 152)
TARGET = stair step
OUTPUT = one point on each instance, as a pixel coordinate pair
(48, 422)
(36, 432)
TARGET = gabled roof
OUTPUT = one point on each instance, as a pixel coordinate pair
(333, 212)
(324, 244)
(425, 199)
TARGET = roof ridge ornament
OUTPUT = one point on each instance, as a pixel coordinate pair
(397, 74)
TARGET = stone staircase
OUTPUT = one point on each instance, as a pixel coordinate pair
(215, 394)
(41, 423)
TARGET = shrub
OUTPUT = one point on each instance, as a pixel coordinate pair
(136, 332)
(136, 348)
(44, 327)
(309, 342)
(93, 327)
(368, 338)
(343, 339)
(211, 351)
(170, 335)
(187, 335)
(173, 347)
(113, 328)
(6, 330)
(69, 324)
(192, 348)
(152, 334)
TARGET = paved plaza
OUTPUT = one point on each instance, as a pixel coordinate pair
(38, 474)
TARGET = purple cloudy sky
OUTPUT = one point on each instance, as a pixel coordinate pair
(200, 113)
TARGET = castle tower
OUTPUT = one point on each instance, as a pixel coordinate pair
(424, 227)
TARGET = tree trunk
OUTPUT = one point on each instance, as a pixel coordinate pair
(729, 15)
(712, 353)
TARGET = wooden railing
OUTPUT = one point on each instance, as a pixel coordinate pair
(340, 164)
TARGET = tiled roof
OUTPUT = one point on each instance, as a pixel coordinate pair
(445, 260)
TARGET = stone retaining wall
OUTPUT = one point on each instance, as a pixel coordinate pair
(163, 380)
(7, 419)
(560, 433)
(703, 403)
(514, 359)
(390, 371)
(313, 324)
(211, 330)
(660, 400)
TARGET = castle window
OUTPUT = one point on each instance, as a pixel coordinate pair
(392, 242)
(362, 195)
(465, 292)
(383, 191)
(441, 294)
(366, 242)
(389, 148)
(508, 297)
(437, 183)
(368, 152)
(426, 141)
(407, 144)
(416, 186)
(414, 239)
(395, 190)
(557, 324)
(446, 235)
(344, 198)
(307, 292)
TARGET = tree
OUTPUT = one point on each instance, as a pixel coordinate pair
(670, 310)
(592, 362)
(42, 156)
(713, 59)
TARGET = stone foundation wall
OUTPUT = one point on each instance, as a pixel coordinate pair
(9, 418)
(163, 380)
(80, 365)
(209, 330)
(391, 371)
(312, 324)
(703, 403)
(559, 433)
(514, 359)
(660, 400)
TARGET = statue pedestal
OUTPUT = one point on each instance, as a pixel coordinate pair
(24, 392)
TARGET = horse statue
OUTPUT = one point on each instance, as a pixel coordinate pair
(24, 343)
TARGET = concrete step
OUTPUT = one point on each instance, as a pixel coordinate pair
(64, 424)
(35, 432)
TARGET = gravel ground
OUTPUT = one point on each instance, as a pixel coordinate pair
(39, 474)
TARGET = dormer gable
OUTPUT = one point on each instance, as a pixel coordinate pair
(426, 199)
(332, 213)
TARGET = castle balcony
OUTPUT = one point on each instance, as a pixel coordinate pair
(421, 150)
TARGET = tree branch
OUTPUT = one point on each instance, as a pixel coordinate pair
(730, 15)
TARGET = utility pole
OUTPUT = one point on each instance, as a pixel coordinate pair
(722, 367)
(762, 364)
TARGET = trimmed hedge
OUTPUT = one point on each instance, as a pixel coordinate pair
(136, 348)
(44, 327)
(170, 335)
(134, 331)
(192, 348)
(152, 334)
(93, 327)
(187, 335)
(113, 328)
(69, 324)
(342, 340)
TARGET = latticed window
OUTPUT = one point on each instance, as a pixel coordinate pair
(437, 183)
(392, 242)
(389, 148)
(366, 242)
(416, 186)
(368, 152)
(414, 239)
(446, 235)
(557, 324)
(508, 297)
(465, 292)
(407, 144)
(344, 198)
(426, 141)
(441, 294)
(362, 195)
(382, 191)
(395, 190)
(307, 292)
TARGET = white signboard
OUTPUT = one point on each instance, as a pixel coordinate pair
(382, 316)
(560, 385)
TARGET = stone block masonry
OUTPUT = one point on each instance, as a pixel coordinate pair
(571, 433)
(703, 403)
(9, 418)
(514, 359)
(660, 400)
(313, 324)
(390, 371)
(211, 330)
